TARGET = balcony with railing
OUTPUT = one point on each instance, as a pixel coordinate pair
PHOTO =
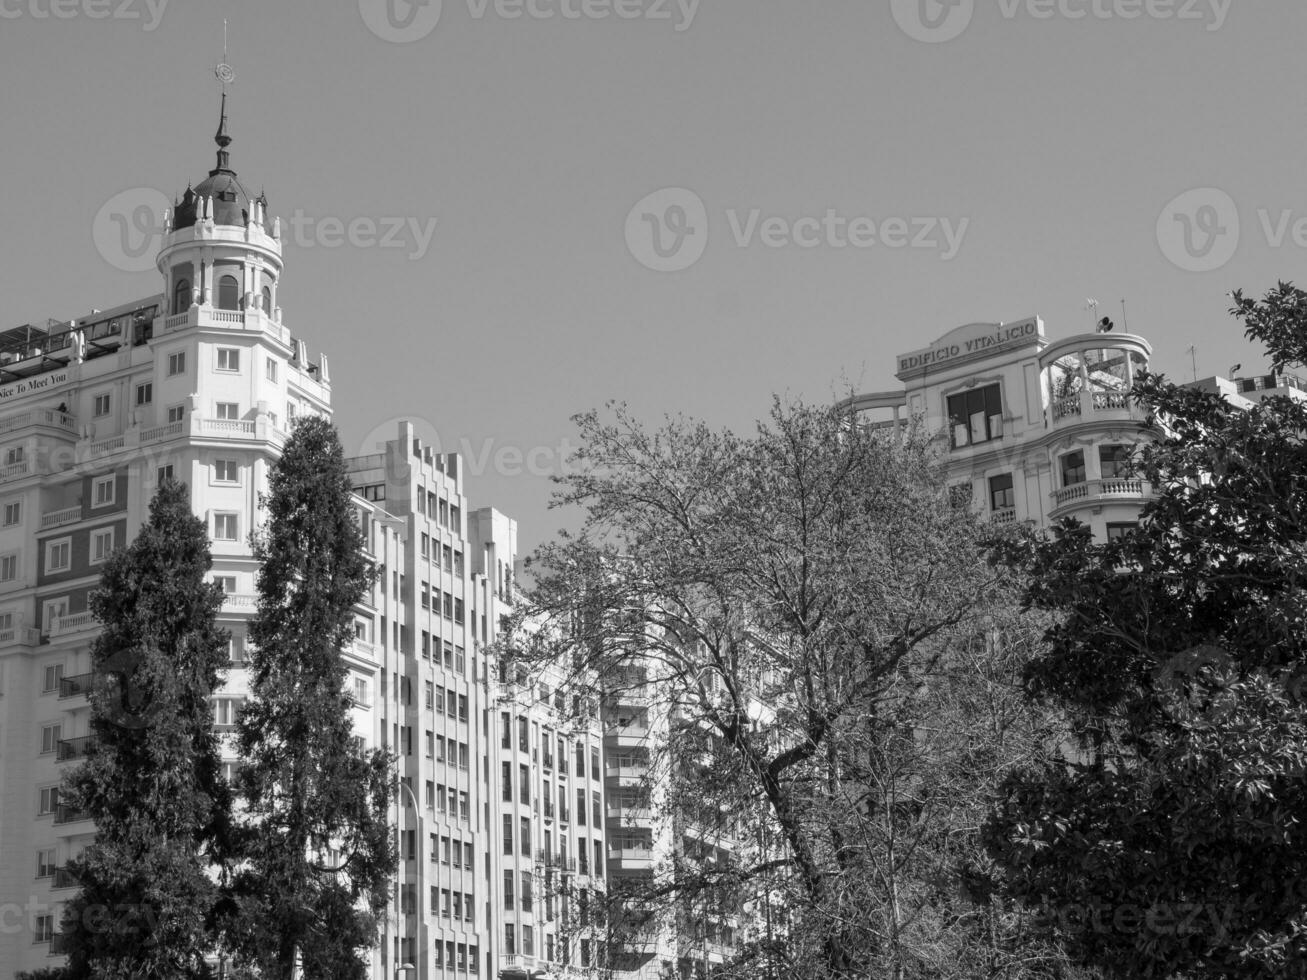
(20, 636)
(206, 317)
(72, 623)
(70, 749)
(58, 518)
(1098, 492)
(560, 862)
(1089, 377)
(48, 418)
(76, 685)
(1003, 516)
(64, 878)
(67, 813)
(58, 944)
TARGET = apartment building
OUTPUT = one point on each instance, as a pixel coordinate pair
(499, 811)
(1036, 430)
(199, 383)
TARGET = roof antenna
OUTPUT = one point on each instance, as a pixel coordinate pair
(1125, 324)
(225, 76)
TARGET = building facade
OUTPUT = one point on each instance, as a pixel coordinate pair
(199, 383)
(1035, 430)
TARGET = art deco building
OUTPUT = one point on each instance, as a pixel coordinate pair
(500, 815)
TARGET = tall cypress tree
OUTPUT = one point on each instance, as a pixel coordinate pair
(151, 780)
(316, 851)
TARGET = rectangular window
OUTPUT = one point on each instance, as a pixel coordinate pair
(8, 568)
(508, 829)
(1073, 468)
(228, 411)
(58, 555)
(49, 800)
(458, 564)
(226, 471)
(506, 781)
(225, 526)
(976, 416)
(1115, 461)
(467, 863)
(447, 557)
(164, 474)
(176, 413)
(46, 863)
(464, 813)
(510, 939)
(44, 929)
(229, 359)
(102, 491)
(1001, 494)
(1115, 532)
(462, 707)
(509, 878)
(14, 455)
(101, 405)
(526, 835)
(580, 807)
(270, 369)
(144, 394)
(13, 513)
(50, 735)
(596, 810)
(176, 364)
(101, 545)
(54, 673)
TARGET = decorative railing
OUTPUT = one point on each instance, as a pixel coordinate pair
(156, 433)
(226, 427)
(57, 518)
(102, 446)
(75, 623)
(1005, 515)
(64, 878)
(23, 635)
(38, 416)
(1097, 489)
(14, 471)
(1111, 400)
(240, 600)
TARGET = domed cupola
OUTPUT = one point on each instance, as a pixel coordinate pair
(221, 249)
(231, 204)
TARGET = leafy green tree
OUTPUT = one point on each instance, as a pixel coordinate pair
(1169, 840)
(812, 628)
(151, 780)
(315, 852)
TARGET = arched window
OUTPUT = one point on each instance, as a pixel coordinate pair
(267, 301)
(229, 293)
(181, 296)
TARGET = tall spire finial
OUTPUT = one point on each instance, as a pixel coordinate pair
(225, 76)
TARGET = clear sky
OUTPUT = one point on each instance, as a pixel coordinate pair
(1033, 158)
